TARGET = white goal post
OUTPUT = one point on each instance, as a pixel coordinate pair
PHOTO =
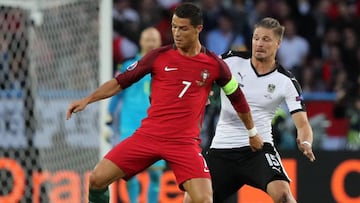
(51, 52)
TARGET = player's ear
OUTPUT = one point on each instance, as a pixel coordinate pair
(278, 43)
(199, 28)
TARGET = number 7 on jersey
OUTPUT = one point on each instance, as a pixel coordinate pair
(187, 85)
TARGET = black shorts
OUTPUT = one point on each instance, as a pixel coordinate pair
(230, 169)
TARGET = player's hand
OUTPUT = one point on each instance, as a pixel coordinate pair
(75, 107)
(256, 143)
(207, 102)
(305, 147)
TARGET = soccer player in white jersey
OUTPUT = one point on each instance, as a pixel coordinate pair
(232, 160)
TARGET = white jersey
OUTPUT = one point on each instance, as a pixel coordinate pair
(264, 93)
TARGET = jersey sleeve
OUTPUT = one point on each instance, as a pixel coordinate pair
(231, 88)
(294, 98)
(126, 64)
(137, 70)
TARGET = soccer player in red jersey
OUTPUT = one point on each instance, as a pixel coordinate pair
(182, 76)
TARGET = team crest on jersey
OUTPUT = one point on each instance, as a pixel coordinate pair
(271, 88)
(204, 76)
(132, 66)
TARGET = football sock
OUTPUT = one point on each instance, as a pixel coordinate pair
(99, 196)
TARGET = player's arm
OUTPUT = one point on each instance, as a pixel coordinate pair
(304, 134)
(294, 101)
(106, 90)
(133, 73)
(238, 100)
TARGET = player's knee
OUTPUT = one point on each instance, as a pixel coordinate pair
(96, 182)
(207, 199)
(280, 192)
(283, 197)
(202, 198)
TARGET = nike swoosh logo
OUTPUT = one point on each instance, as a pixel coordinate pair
(169, 69)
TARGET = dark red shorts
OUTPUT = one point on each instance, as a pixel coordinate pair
(138, 152)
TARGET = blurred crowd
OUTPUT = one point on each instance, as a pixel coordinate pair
(321, 45)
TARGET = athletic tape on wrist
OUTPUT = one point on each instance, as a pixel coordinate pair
(306, 142)
(252, 132)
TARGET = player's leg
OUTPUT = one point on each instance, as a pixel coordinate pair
(225, 166)
(190, 168)
(278, 188)
(279, 191)
(133, 188)
(199, 190)
(187, 198)
(104, 173)
(125, 160)
(271, 176)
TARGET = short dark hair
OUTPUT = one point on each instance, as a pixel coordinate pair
(190, 11)
(273, 24)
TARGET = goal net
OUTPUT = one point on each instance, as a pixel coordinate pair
(49, 55)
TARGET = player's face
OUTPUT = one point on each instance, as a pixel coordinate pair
(150, 40)
(264, 44)
(184, 34)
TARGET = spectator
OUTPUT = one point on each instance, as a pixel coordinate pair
(224, 37)
(212, 10)
(331, 38)
(353, 137)
(333, 66)
(294, 49)
(168, 4)
(282, 11)
(123, 49)
(348, 53)
(4, 62)
(306, 22)
(164, 26)
(348, 106)
(126, 20)
(259, 11)
(149, 12)
(344, 15)
(240, 19)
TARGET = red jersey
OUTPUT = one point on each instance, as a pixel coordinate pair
(180, 88)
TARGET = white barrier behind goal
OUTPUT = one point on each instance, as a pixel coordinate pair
(50, 54)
